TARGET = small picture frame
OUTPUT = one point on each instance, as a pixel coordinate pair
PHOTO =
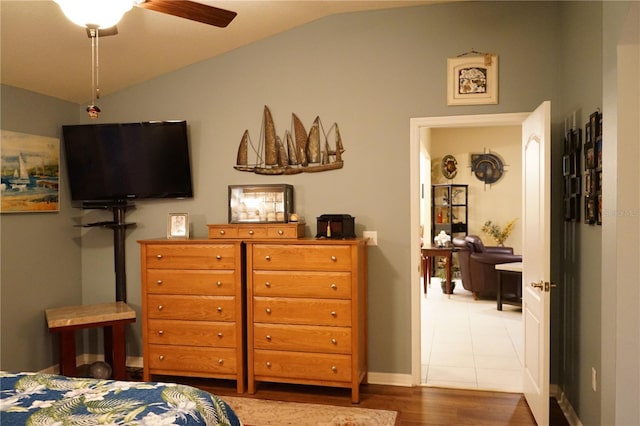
(472, 79)
(590, 210)
(178, 225)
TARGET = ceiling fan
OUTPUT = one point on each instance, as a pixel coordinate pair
(104, 14)
(99, 18)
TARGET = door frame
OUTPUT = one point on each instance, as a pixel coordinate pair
(417, 125)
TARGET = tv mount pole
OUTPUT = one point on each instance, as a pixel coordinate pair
(119, 234)
(118, 225)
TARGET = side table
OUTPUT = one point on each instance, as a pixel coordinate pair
(112, 317)
(512, 268)
(427, 253)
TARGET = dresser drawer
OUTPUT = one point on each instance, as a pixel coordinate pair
(302, 311)
(191, 281)
(165, 358)
(327, 285)
(191, 256)
(222, 231)
(286, 230)
(302, 257)
(204, 308)
(302, 365)
(195, 333)
(303, 338)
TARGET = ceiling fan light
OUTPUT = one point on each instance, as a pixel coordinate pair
(101, 13)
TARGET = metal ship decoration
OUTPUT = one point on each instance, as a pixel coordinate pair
(300, 152)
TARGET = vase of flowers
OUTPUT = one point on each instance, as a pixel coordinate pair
(498, 234)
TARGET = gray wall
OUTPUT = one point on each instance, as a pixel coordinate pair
(620, 327)
(370, 72)
(40, 251)
(580, 290)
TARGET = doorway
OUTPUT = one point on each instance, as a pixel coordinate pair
(420, 171)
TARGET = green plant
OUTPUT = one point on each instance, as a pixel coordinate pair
(499, 235)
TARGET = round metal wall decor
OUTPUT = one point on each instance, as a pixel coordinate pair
(487, 167)
(449, 166)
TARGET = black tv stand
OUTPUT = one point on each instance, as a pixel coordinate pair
(119, 209)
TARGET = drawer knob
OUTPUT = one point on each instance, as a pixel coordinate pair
(268, 364)
(160, 332)
(333, 258)
(280, 232)
(220, 361)
(267, 284)
(251, 232)
(267, 258)
(334, 286)
(161, 357)
(219, 308)
(268, 310)
(160, 307)
(334, 368)
(268, 337)
(159, 282)
(220, 334)
(334, 341)
(219, 283)
(333, 313)
(218, 257)
(222, 232)
(158, 256)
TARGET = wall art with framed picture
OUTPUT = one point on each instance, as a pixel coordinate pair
(593, 170)
(571, 174)
(30, 173)
(472, 79)
(178, 226)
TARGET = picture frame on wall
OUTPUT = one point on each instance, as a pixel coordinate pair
(178, 226)
(472, 79)
(589, 210)
(30, 173)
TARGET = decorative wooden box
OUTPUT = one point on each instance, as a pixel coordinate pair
(269, 203)
(336, 226)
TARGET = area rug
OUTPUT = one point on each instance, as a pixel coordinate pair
(260, 412)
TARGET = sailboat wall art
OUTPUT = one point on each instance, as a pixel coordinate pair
(29, 173)
(296, 152)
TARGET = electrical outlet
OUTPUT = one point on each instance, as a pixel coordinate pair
(372, 237)
(594, 379)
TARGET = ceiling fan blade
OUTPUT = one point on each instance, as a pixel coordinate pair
(191, 10)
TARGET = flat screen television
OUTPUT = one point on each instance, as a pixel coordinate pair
(117, 162)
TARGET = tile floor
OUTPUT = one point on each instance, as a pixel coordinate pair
(468, 343)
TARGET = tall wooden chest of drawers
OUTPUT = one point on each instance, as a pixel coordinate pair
(193, 309)
(307, 313)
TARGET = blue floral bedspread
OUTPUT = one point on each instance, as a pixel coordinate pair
(46, 399)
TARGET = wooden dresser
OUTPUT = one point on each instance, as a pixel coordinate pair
(307, 313)
(193, 309)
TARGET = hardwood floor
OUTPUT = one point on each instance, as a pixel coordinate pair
(415, 406)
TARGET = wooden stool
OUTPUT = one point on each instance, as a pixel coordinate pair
(112, 317)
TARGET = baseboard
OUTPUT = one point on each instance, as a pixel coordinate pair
(389, 379)
(132, 361)
(565, 405)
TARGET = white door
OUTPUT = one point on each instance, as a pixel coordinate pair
(536, 208)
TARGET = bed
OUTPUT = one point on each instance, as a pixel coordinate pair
(47, 399)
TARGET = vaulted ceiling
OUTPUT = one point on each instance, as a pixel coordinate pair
(45, 53)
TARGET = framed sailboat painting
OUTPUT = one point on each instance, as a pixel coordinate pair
(30, 173)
